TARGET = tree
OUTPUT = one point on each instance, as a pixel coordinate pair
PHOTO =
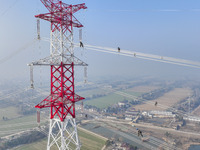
(108, 143)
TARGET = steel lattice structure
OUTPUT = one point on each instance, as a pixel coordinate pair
(62, 98)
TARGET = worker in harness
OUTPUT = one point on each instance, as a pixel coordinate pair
(140, 133)
(118, 49)
(81, 44)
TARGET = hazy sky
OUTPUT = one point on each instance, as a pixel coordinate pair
(161, 27)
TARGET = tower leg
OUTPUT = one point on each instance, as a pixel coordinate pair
(63, 135)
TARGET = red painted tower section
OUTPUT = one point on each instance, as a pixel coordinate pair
(62, 98)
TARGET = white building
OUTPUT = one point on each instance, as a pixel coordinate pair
(161, 114)
(191, 118)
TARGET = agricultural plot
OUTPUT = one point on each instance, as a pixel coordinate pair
(105, 101)
(166, 101)
(35, 146)
(11, 122)
(143, 89)
(133, 93)
(88, 141)
(9, 113)
(113, 97)
(109, 100)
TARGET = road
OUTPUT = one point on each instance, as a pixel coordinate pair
(179, 132)
(130, 133)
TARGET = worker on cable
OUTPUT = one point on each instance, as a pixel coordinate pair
(118, 49)
(156, 103)
(140, 133)
(81, 44)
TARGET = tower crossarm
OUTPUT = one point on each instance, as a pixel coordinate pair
(51, 4)
(55, 60)
(62, 20)
(61, 13)
(60, 106)
(56, 5)
(55, 100)
(77, 7)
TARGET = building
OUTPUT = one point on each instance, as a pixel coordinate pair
(161, 114)
(191, 118)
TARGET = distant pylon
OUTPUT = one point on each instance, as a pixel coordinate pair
(62, 130)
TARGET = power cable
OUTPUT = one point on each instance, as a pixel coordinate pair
(3, 60)
(164, 59)
(170, 60)
(14, 93)
(13, 4)
(134, 54)
(149, 10)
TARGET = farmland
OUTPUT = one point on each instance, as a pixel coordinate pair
(88, 141)
(107, 96)
(12, 122)
(167, 100)
(109, 100)
(143, 89)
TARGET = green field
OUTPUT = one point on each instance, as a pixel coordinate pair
(88, 141)
(132, 93)
(35, 146)
(110, 99)
(15, 122)
(9, 112)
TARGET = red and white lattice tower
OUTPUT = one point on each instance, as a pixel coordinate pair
(62, 130)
